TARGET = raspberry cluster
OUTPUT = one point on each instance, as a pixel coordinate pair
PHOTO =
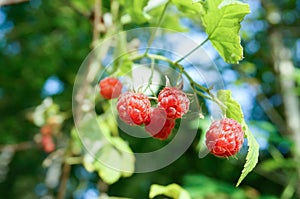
(135, 108)
(224, 137)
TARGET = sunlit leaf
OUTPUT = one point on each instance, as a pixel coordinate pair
(76, 145)
(170, 20)
(107, 164)
(173, 191)
(154, 4)
(127, 156)
(221, 19)
(252, 155)
(122, 65)
(187, 6)
(233, 110)
(134, 8)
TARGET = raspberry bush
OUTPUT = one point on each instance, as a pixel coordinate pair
(159, 113)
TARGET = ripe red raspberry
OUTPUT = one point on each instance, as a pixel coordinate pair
(46, 129)
(134, 108)
(110, 87)
(224, 137)
(160, 126)
(47, 143)
(174, 101)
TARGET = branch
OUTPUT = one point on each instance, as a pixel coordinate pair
(97, 21)
(19, 147)
(64, 179)
(9, 2)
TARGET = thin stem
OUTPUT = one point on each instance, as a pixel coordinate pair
(202, 95)
(193, 84)
(151, 78)
(158, 25)
(192, 51)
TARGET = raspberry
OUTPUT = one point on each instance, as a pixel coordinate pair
(134, 108)
(47, 143)
(46, 130)
(110, 87)
(224, 137)
(174, 101)
(160, 126)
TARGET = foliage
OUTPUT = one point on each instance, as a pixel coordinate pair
(233, 110)
(221, 20)
(172, 191)
(45, 40)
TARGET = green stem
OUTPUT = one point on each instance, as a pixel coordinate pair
(158, 25)
(193, 84)
(151, 78)
(192, 51)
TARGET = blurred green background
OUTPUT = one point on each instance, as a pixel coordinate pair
(42, 45)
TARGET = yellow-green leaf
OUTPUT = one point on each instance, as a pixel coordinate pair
(173, 191)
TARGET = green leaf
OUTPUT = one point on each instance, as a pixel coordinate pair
(234, 111)
(170, 20)
(134, 8)
(221, 19)
(252, 155)
(108, 155)
(187, 7)
(173, 191)
(152, 4)
(122, 64)
(107, 164)
(83, 7)
(76, 145)
(127, 156)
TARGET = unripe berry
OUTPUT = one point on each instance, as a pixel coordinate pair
(224, 137)
(110, 87)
